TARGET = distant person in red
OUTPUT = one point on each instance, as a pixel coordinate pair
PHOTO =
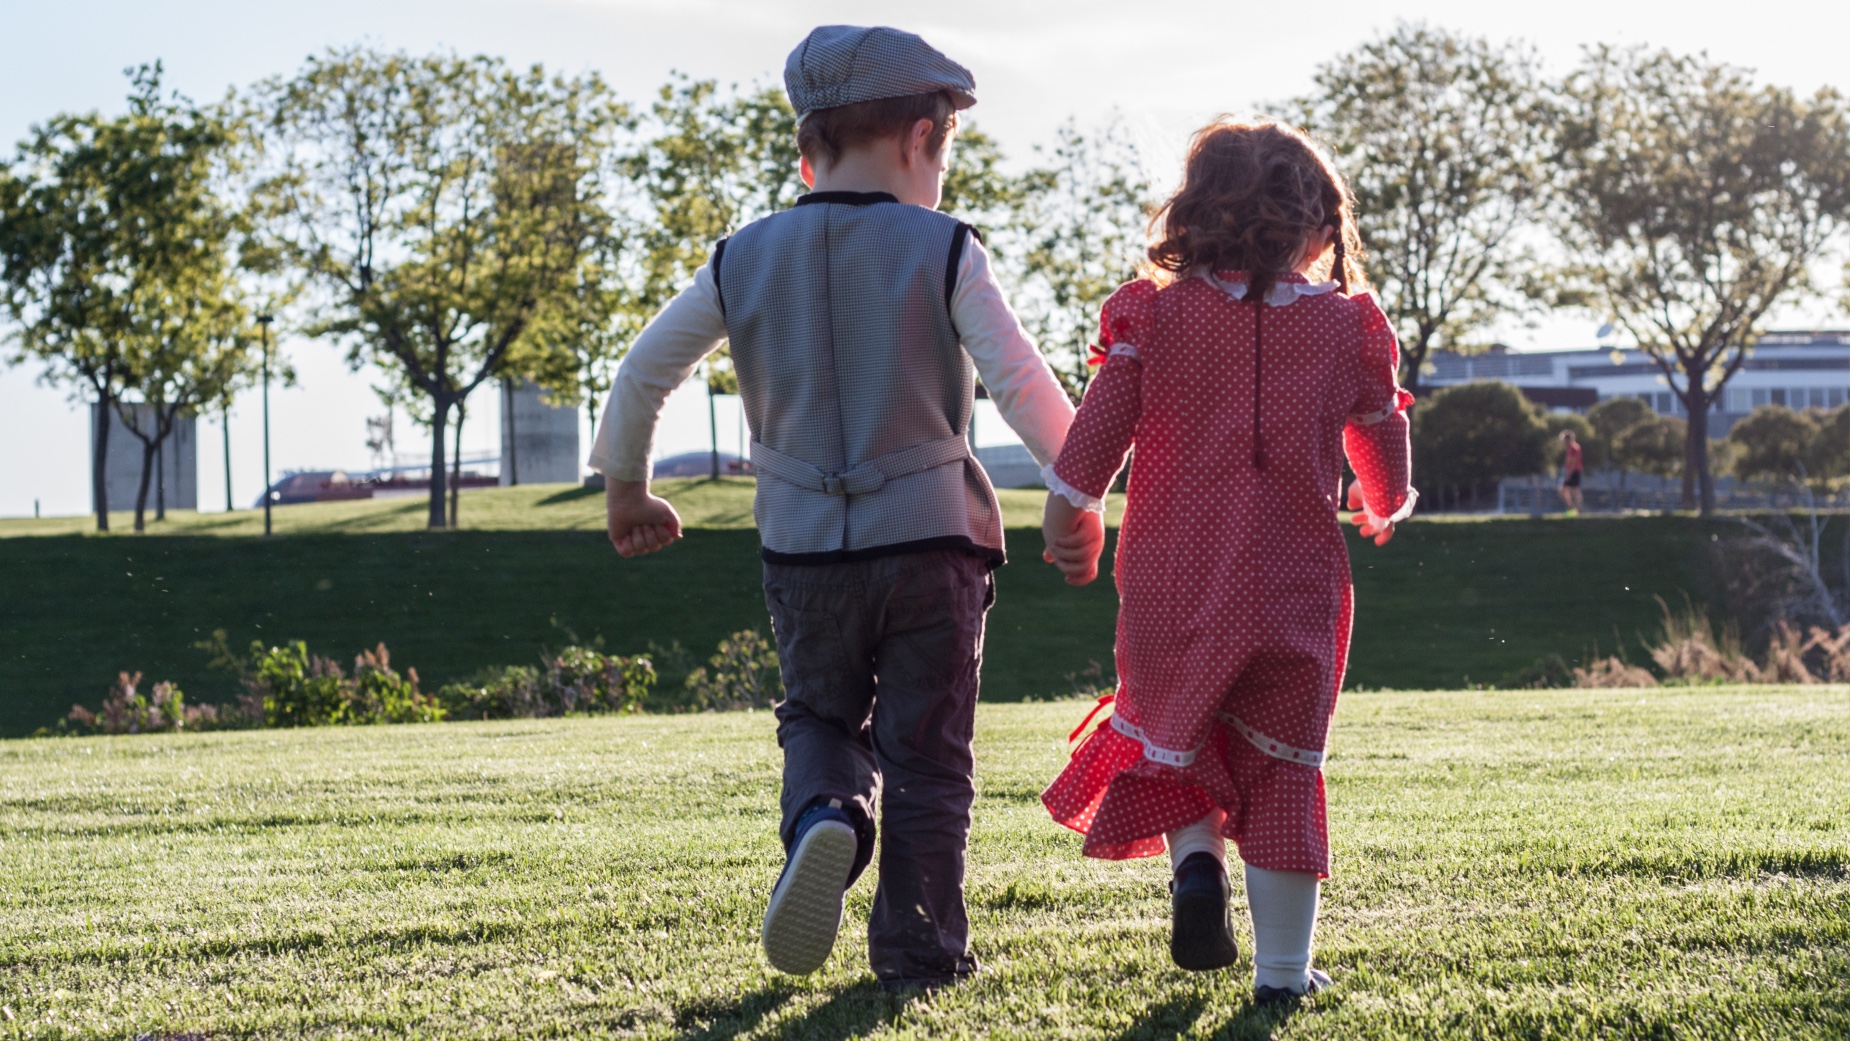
(1570, 472)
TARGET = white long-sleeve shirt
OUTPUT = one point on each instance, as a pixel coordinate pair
(692, 326)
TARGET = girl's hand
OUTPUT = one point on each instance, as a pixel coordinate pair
(1382, 533)
(1075, 539)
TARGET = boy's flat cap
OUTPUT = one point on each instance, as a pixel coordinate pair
(839, 65)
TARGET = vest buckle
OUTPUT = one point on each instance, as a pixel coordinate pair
(832, 484)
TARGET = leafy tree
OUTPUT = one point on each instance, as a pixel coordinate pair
(1077, 226)
(1692, 202)
(109, 235)
(1442, 137)
(1831, 449)
(1774, 442)
(1654, 446)
(1614, 416)
(1476, 433)
(436, 206)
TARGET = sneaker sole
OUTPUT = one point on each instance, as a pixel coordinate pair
(805, 912)
(1200, 939)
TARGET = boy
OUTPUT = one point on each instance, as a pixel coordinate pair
(855, 320)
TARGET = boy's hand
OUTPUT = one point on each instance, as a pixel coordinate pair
(638, 522)
(1075, 538)
(1367, 529)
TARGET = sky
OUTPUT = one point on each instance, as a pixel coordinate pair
(1165, 69)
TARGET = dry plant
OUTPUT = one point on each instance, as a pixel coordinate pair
(1612, 672)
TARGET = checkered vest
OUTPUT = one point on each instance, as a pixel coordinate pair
(855, 384)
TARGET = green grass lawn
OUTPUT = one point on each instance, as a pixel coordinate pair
(1448, 603)
(1664, 864)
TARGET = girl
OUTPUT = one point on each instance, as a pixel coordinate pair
(1242, 377)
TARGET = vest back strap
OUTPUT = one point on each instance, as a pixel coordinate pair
(866, 477)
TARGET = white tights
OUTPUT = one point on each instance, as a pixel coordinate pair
(1283, 903)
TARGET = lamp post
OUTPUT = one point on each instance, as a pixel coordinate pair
(263, 321)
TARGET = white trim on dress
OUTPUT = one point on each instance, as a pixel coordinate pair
(1272, 746)
(1069, 493)
(1282, 294)
(1151, 750)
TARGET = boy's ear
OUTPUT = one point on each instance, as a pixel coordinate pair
(913, 145)
(807, 172)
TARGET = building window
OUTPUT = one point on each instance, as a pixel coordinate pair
(1760, 396)
(1779, 396)
(1836, 397)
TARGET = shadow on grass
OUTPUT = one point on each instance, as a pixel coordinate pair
(1178, 1016)
(570, 495)
(851, 1012)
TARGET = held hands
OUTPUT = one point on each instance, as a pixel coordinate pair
(1075, 538)
(639, 523)
(1367, 528)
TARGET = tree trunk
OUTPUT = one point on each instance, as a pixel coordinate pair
(160, 479)
(149, 449)
(462, 413)
(99, 462)
(439, 416)
(1698, 486)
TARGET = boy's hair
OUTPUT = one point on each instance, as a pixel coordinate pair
(828, 132)
(1253, 197)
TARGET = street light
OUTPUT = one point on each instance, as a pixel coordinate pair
(264, 320)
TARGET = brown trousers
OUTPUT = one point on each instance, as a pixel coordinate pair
(880, 661)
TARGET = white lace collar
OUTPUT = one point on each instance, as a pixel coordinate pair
(1282, 294)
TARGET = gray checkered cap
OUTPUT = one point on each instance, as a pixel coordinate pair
(839, 65)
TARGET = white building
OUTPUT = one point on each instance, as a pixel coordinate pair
(176, 467)
(539, 442)
(1798, 369)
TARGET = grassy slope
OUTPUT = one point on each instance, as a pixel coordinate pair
(1447, 603)
(1562, 865)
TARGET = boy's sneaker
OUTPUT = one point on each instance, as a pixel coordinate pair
(1271, 996)
(1201, 933)
(806, 905)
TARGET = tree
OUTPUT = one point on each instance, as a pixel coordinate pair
(104, 226)
(1441, 136)
(435, 206)
(1475, 433)
(1654, 446)
(1077, 227)
(1692, 202)
(1615, 416)
(1774, 442)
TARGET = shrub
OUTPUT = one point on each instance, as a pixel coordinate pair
(577, 680)
(1549, 672)
(1613, 672)
(287, 686)
(125, 710)
(744, 674)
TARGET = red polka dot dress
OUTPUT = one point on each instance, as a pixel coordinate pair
(1233, 628)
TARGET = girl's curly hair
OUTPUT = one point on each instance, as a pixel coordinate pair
(1253, 198)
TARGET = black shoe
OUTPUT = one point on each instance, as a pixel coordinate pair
(806, 907)
(1275, 996)
(1201, 933)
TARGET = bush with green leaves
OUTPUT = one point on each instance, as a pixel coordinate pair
(126, 710)
(286, 686)
(575, 681)
(742, 675)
